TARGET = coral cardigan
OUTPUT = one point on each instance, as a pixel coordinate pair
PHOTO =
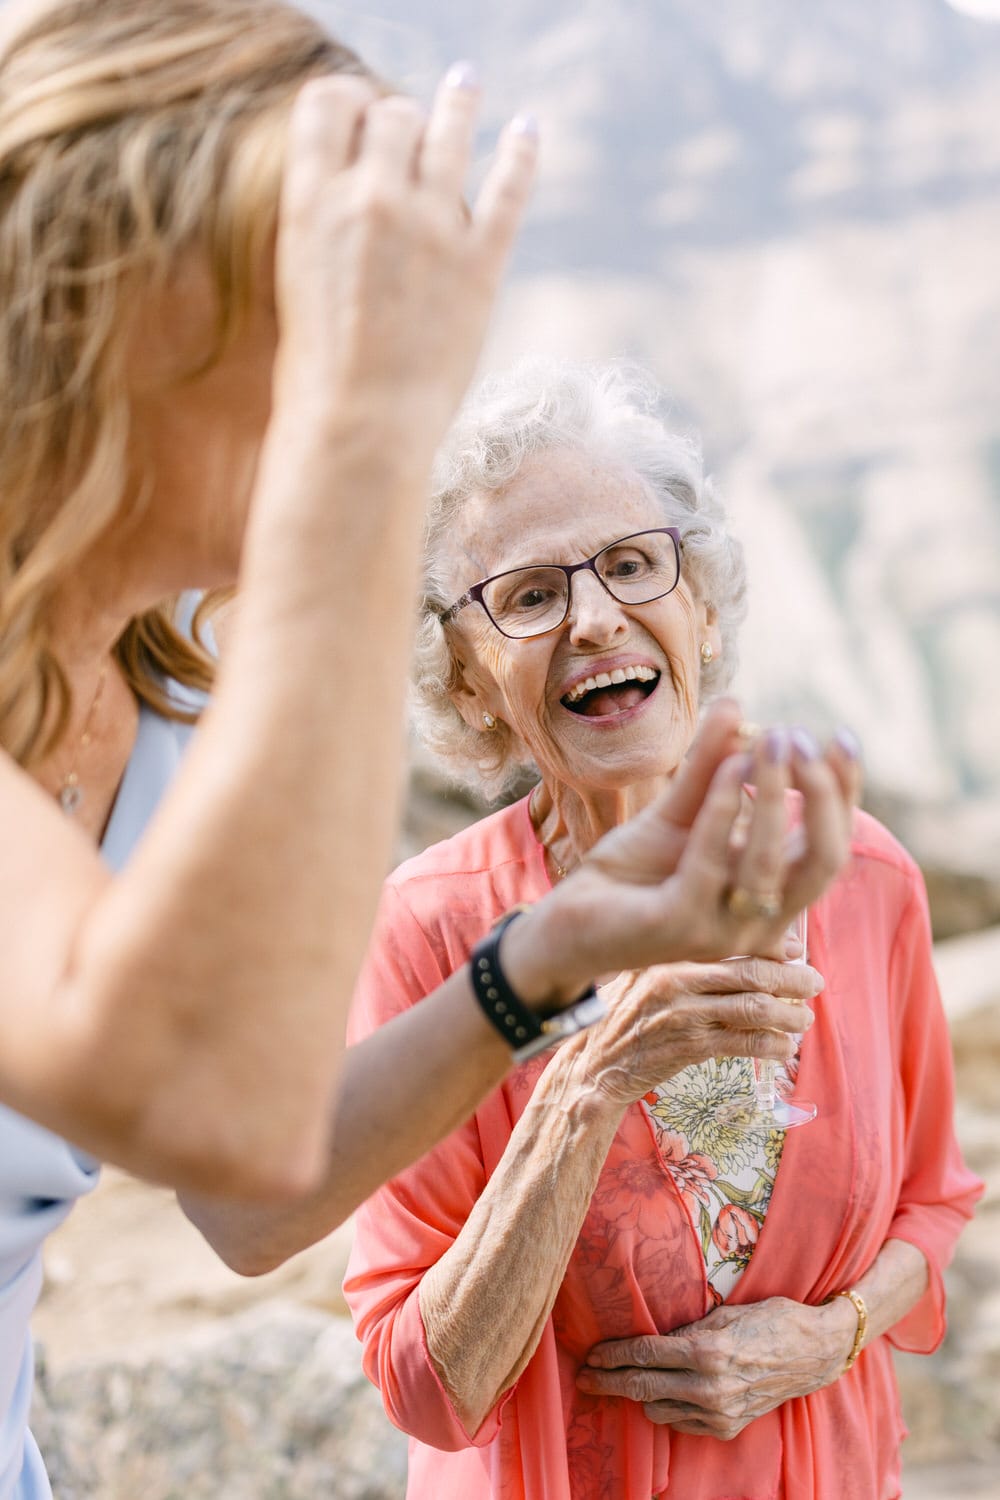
(880, 1161)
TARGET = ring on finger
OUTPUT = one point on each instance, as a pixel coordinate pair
(745, 905)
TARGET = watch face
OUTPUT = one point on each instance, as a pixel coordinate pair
(564, 1024)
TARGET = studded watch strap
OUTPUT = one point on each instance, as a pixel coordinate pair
(504, 1009)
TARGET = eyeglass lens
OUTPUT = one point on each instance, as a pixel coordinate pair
(636, 570)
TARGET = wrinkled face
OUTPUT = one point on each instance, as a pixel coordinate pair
(609, 698)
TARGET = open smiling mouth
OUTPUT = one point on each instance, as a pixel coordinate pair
(609, 693)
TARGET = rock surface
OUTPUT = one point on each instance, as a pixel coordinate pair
(268, 1405)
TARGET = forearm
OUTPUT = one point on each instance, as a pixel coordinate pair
(205, 990)
(893, 1284)
(435, 1062)
(484, 1304)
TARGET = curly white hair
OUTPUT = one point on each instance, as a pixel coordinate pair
(611, 411)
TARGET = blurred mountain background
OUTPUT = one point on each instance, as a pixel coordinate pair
(792, 214)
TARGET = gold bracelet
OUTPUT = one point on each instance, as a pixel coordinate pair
(860, 1307)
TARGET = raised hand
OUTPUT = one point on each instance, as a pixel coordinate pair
(705, 872)
(384, 278)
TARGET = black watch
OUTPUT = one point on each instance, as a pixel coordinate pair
(526, 1031)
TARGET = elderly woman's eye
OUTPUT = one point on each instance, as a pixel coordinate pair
(525, 594)
(533, 598)
(631, 565)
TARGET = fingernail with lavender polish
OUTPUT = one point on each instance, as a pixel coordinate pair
(804, 744)
(744, 767)
(848, 742)
(525, 125)
(462, 75)
(776, 746)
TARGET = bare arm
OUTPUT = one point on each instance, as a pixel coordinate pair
(436, 1062)
(451, 1057)
(187, 1018)
(523, 1227)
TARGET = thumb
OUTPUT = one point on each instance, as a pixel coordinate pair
(717, 738)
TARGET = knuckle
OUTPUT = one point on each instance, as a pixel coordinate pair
(334, 91)
(397, 109)
(508, 194)
(754, 1009)
(755, 974)
(645, 1386)
(773, 1045)
(765, 974)
(374, 202)
(766, 864)
(768, 977)
(797, 981)
(643, 1352)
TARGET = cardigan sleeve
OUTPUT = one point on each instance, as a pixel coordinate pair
(409, 1224)
(938, 1191)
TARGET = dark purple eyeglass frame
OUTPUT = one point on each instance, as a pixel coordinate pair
(474, 595)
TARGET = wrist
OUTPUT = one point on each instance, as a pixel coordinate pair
(527, 1030)
(846, 1317)
(338, 472)
(362, 438)
(532, 960)
(568, 1087)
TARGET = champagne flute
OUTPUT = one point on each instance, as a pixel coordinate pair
(766, 1109)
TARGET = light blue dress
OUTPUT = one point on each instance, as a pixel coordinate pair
(41, 1176)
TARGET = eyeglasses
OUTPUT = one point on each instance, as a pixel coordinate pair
(532, 601)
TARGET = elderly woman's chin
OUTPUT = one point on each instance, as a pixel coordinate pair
(622, 735)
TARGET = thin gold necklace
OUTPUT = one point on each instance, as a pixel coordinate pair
(70, 792)
(561, 871)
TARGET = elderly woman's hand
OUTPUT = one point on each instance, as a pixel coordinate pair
(660, 1020)
(715, 1376)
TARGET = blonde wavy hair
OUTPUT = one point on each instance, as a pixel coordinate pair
(131, 132)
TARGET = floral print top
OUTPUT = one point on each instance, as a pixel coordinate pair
(723, 1175)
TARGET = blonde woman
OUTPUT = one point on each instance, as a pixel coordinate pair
(239, 302)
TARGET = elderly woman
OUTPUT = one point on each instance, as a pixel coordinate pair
(239, 308)
(583, 1289)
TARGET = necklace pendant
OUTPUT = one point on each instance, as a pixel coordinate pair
(70, 797)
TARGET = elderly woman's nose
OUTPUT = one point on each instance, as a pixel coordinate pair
(593, 614)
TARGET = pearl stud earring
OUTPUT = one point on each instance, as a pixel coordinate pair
(489, 721)
(707, 654)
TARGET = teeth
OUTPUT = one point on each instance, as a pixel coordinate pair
(605, 679)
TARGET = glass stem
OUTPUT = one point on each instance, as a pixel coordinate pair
(764, 1074)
